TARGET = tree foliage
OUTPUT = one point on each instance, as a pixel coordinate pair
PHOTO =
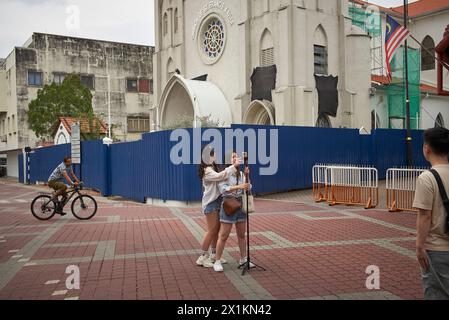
(69, 99)
(186, 122)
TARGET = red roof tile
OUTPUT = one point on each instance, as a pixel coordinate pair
(423, 6)
(85, 128)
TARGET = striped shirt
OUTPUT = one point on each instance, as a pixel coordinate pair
(57, 174)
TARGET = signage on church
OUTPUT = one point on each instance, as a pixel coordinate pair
(215, 4)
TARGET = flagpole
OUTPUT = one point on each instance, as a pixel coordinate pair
(407, 94)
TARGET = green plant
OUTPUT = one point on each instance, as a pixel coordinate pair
(69, 99)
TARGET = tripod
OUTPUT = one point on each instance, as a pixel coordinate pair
(247, 266)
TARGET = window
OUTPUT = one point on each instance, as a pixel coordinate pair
(267, 57)
(439, 123)
(266, 49)
(320, 55)
(428, 56)
(138, 124)
(88, 81)
(323, 121)
(144, 85)
(165, 26)
(151, 86)
(35, 78)
(58, 78)
(375, 120)
(131, 85)
(176, 18)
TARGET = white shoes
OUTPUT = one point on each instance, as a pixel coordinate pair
(218, 267)
(243, 262)
(212, 258)
(205, 262)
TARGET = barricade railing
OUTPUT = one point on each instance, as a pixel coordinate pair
(319, 183)
(354, 186)
(401, 187)
(345, 184)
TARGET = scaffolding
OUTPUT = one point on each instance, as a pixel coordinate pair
(396, 90)
(369, 20)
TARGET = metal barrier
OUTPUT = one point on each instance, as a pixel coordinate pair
(401, 186)
(350, 185)
(319, 183)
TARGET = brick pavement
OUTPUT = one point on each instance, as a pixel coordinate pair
(134, 251)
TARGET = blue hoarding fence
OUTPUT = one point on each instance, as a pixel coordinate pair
(143, 169)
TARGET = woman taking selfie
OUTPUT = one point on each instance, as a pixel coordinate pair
(233, 189)
(210, 176)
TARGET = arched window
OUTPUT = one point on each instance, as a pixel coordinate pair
(439, 122)
(428, 56)
(170, 68)
(375, 120)
(320, 51)
(323, 121)
(266, 49)
(165, 24)
(176, 20)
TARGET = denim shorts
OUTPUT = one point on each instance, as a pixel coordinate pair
(239, 216)
(214, 206)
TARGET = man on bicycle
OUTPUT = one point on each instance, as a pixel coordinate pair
(56, 181)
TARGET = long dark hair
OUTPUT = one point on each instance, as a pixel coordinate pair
(202, 167)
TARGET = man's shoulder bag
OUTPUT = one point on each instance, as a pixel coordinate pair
(443, 196)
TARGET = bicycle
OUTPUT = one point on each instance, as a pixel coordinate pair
(83, 207)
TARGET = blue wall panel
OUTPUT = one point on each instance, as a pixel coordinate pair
(142, 169)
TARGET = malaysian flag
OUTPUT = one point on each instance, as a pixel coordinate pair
(396, 34)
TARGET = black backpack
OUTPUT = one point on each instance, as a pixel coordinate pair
(443, 196)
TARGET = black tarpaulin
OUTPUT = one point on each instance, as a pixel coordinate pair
(263, 81)
(201, 78)
(327, 95)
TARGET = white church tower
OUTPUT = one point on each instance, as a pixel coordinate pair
(223, 41)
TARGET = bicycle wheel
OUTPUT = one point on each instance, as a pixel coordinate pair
(43, 208)
(84, 207)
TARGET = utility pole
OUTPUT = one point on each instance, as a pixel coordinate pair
(407, 94)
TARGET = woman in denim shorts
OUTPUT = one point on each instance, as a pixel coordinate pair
(234, 186)
(210, 176)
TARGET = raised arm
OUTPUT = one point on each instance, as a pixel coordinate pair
(211, 175)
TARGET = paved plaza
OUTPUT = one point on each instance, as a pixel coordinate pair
(135, 251)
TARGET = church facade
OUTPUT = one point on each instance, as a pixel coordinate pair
(208, 52)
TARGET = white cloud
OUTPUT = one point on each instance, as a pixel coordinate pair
(114, 20)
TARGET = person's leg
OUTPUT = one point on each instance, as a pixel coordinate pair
(213, 227)
(436, 279)
(241, 237)
(225, 230)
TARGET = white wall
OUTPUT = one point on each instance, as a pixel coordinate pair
(12, 169)
(431, 107)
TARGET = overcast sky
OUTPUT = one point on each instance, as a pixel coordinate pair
(128, 21)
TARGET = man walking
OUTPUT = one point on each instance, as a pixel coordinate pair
(432, 244)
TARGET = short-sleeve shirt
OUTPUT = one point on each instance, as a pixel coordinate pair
(57, 174)
(427, 197)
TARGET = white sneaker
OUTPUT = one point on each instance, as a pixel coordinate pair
(218, 267)
(223, 261)
(243, 262)
(205, 262)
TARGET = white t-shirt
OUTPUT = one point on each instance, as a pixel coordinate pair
(210, 183)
